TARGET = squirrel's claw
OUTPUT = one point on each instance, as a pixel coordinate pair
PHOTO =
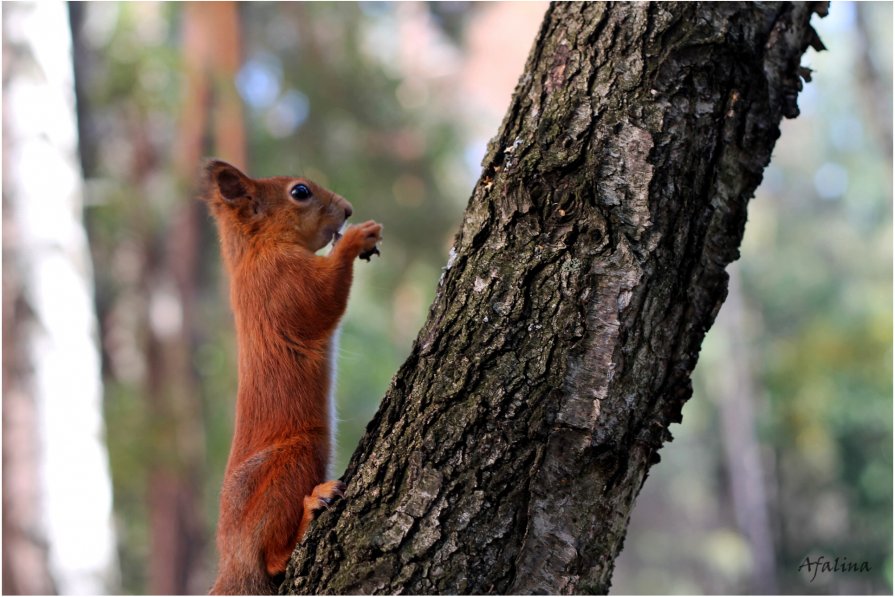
(324, 494)
(366, 255)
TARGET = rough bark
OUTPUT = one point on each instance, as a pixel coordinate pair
(507, 453)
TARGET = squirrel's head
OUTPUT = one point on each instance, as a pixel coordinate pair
(278, 209)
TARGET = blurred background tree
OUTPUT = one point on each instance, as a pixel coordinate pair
(57, 493)
(391, 105)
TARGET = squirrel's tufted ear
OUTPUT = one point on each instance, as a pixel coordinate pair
(224, 178)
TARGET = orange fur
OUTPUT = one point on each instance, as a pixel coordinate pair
(287, 302)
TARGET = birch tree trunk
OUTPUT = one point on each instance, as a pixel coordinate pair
(58, 531)
(509, 449)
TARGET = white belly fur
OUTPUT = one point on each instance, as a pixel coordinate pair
(331, 398)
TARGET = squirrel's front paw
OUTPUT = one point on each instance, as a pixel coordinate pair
(362, 238)
(323, 495)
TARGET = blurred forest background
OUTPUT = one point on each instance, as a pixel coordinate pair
(119, 370)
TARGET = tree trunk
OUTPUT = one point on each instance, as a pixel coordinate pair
(745, 469)
(507, 453)
(58, 531)
(211, 112)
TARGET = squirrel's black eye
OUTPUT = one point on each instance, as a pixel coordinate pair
(300, 192)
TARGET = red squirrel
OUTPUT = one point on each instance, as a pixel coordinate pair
(287, 302)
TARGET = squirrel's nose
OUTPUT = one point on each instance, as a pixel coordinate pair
(348, 211)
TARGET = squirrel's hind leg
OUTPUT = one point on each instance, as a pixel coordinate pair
(320, 497)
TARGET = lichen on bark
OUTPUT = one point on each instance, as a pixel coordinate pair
(509, 449)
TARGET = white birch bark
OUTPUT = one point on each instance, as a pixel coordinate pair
(42, 189)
